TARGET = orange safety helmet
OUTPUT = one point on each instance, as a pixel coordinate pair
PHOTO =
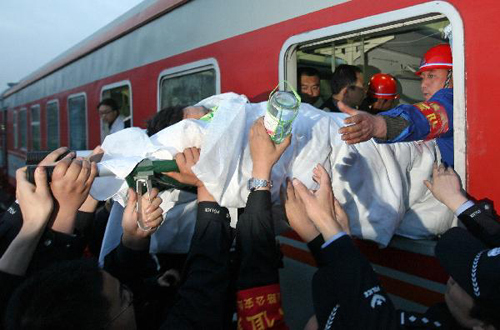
(383, 86)
(438, 57)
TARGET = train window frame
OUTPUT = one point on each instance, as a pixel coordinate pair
(288, 62)
(113, 86)
(49, 103)
(20, 129)
(86, 118)
(15, 129)
(187, 69)
(33, 124)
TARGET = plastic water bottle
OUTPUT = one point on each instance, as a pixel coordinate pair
(282, 108)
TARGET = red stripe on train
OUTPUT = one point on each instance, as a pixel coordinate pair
(410, 292)
(298, 254)
(396, 287)
(405, 261)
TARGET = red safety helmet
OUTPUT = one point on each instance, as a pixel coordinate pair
(383, 86)
(438, 57)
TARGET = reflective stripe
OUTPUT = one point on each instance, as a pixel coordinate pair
(389, 94)
(436, 64)
(331, 318)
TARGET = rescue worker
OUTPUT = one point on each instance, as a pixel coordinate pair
(309, 82)
(432, 118)
(382, 93)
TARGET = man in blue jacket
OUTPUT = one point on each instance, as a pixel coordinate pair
(430, 119)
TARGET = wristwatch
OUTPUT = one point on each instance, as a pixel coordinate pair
(254, 183)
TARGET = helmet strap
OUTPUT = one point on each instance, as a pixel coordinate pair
(448, 79)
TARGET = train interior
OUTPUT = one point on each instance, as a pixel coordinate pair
(395, 50)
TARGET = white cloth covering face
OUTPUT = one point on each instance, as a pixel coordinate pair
(380, 185)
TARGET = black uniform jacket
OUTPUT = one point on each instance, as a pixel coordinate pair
(347, 293)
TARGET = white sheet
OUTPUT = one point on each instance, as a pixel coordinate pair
(379, 185)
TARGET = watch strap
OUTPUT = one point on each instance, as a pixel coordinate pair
(254, 184)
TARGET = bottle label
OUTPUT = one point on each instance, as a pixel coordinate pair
(271, 124)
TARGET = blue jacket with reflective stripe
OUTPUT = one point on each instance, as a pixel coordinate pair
(419, 128)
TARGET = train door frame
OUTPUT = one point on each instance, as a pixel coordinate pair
(288, 62)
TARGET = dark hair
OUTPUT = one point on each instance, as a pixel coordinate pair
(110, 103)
(307, 71)
(164, 118)
(344, 76)
(367, 103)
(63, 296)
(486, 311)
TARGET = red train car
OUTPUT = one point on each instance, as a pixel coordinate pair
(169, 52)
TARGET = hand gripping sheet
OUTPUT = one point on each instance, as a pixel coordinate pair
(380, 185)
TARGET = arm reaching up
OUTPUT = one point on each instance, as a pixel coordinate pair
(258, 296)
(71, 182)
(36, 206)
(345, 286)
(133, 236)
(446, 187)
(319, 204)
(479, 219)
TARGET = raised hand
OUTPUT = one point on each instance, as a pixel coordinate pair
(297, 215)
(51, 158)
(35, 201)
(36, 205)
(71, 182)
(319, 204)
(185, 161)
(265, 153)
(151, 215)
(446, 187)
(96, 154)
(341, 216)
(362, 126)
(90, 204)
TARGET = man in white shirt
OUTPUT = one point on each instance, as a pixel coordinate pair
(112, 120)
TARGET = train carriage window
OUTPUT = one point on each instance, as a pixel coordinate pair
(23, 128)
(14, 129)
(187, 89)
(189, 84)
(35, 127)
(121, 92)
(77, 117)
(52, 119)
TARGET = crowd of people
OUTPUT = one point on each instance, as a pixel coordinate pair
(229, 279)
